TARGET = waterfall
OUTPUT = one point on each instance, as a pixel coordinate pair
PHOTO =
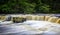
(2, 17)
(53, 19)
(38, 17)
(46, 18)
(34, 24)
(29, 17)
(58, 21)
(34, 17)
(41, 17)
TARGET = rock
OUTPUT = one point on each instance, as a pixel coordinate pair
(18, 19)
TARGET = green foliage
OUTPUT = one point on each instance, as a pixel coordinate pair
(29, 6)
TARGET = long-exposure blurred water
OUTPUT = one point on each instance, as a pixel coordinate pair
(30, 27)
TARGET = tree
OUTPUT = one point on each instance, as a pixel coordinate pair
(29, 6)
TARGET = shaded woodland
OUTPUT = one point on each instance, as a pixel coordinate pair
(29, 6)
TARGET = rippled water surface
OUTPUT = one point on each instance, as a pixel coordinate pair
(30, 27)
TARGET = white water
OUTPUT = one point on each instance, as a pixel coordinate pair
(33, 27)
(49, 28)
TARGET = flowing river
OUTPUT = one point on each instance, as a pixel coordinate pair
(29, 27)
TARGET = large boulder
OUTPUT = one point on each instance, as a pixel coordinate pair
(18, 19)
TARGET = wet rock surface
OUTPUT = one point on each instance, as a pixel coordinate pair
(18, 20)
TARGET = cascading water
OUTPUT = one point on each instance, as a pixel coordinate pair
(49, 28)
(30, 27)
(58, 21)
(53, 19)
(46, 18)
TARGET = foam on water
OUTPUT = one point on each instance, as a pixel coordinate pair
(33, 27)
(47, 27)
(37, 24)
